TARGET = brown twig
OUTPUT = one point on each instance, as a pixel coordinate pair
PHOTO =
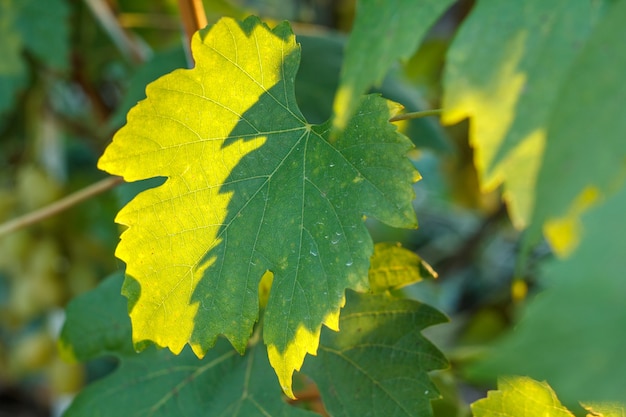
(415, 115)
(194, 18)
(60, 205)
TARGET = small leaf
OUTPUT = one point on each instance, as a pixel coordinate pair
(520, 397)
(378, 364)
(156, 382)
(251, 187)
(393, 266)
(383, 32)
(604, 409)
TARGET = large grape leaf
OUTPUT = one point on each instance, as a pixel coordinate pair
(520, 397)
(586, 135)
(156, 382)
(384, 31)
(251, 186)
(505, 70)
(572, 335)
(378, 364)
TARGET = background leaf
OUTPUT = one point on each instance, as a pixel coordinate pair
(378, 364)
(246, 171)
(383, 32)
(573, 335)
(505, 70)
(157, 383)
(520, 397)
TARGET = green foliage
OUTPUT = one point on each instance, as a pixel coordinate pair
(520, 397)
(505, 70)
(572, 335)
(253, 174)
(400, 26)
(524, 397)
(26, 26)
(256, 176)
(361, 370)
(159, 383)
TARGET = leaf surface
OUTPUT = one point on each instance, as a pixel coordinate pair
(251, 186)
(519, 396)
(393, 266)
(378, 364)
(505, 70)
(572, 335)
(383, 32)
(157, 383)
(586, 134)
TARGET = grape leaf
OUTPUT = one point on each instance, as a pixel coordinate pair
(504, 70)
(399, 27)
(393, 266)
(604, 409)
(157, 383)
(572, 335)
(586, 142)
(251, 186)
(377, 364)
(94, 325)
(520, 397)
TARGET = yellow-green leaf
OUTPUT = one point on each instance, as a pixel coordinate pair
(393, 266)
(251, 187)
(520, 396)
(505, 70)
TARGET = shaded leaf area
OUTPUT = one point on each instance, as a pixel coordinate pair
(586, 140)
(393, 266)
(96, 323)
(157, 383)
(378, 364)
(26, 26)
(506, 70)
(572, 335)
(519, 396)
(383, 32)
(251, 187)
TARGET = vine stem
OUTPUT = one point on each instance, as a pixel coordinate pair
(416, 115)
(60, 205)
(194, 18)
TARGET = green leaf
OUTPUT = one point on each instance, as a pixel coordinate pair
(393, 266)
(157, 383)
(96, 323)
(383, 32)
(42, 31)
(572, 335)
(378, 364)
(586, 141)
(504, 70)
(251, 186)
(520, 397)
(604, 409)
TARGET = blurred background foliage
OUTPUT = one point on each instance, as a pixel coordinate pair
(71, 70)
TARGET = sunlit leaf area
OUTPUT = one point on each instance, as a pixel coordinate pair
(312, 208)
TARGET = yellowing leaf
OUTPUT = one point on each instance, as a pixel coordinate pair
(393, 266)
(505, 71)
(520, 397)
(251, 187)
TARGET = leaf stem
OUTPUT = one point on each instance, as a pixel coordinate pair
(60, 205)
(416, 115)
